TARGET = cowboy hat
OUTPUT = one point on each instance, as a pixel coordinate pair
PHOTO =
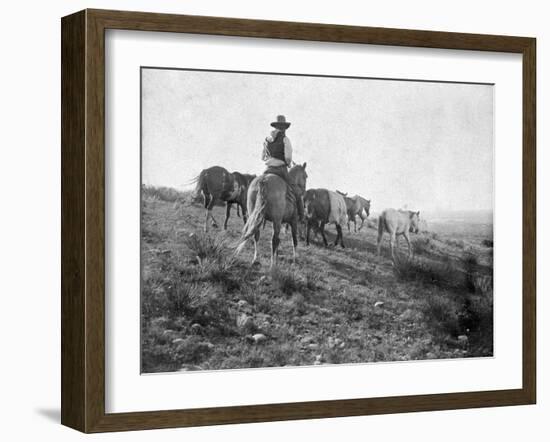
(281, 122)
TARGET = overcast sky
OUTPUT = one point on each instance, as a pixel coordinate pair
(422, 145)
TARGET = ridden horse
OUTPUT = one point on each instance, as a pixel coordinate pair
(397, 222)
(217, 184)
(321, 206)
(355, 206)
(269, 198)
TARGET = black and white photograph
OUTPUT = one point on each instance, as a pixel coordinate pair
(306, 220)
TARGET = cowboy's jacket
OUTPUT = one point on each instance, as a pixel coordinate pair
(277, 152)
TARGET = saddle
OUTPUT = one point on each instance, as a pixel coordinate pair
(290, 195)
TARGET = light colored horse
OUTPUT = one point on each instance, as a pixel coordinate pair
(397, 222)
(269, 199)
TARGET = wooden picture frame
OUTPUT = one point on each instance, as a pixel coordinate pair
(83, 220)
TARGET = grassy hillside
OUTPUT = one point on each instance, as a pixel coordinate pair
(203, 309)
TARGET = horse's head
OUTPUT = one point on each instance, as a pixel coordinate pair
(298, 176)
(415, 221)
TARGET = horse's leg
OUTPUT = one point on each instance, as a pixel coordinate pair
(245, 214)
(362, 220)
(294, 231)
(380, 234)
(227, 213)
(275, 241)
(308, 229)
(379, 243)
(256, 240)
(397, 243)
(392, 241)
(209, 211)
(341, 235)
(322, 228)
(406, 235)
(206, 198)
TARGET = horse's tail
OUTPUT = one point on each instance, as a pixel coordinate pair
(255, 219)
(381, 223)
(200, 183)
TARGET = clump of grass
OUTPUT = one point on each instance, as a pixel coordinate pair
(441, 313)
(219, 271)
(422, 245)
(487, 243)
(205, 246)
(182, 298)
(285, 280)
(458, 243)
(482, 284)
(312, 279)
(434, 236)
(298, 305)
(351, 306)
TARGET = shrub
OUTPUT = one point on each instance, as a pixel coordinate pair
(350, 306)
(191, 350)
(487, 243)
(311, 279)
(183, 299)
(298, 306)
(422, 245)
(219, 271)
(285, 280)
(441, 313)
(459, 243)
(205, 246)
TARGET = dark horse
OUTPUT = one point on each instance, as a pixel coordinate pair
(319, 211)
(356, 205)
(217, 184)
(269, 199)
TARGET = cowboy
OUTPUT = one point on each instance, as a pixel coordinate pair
(277, 156)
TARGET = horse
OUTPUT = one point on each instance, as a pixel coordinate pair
(397, 222)
(269, 198)
(355, 206)
(217, 184)
(364, 211)
(321, 206)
